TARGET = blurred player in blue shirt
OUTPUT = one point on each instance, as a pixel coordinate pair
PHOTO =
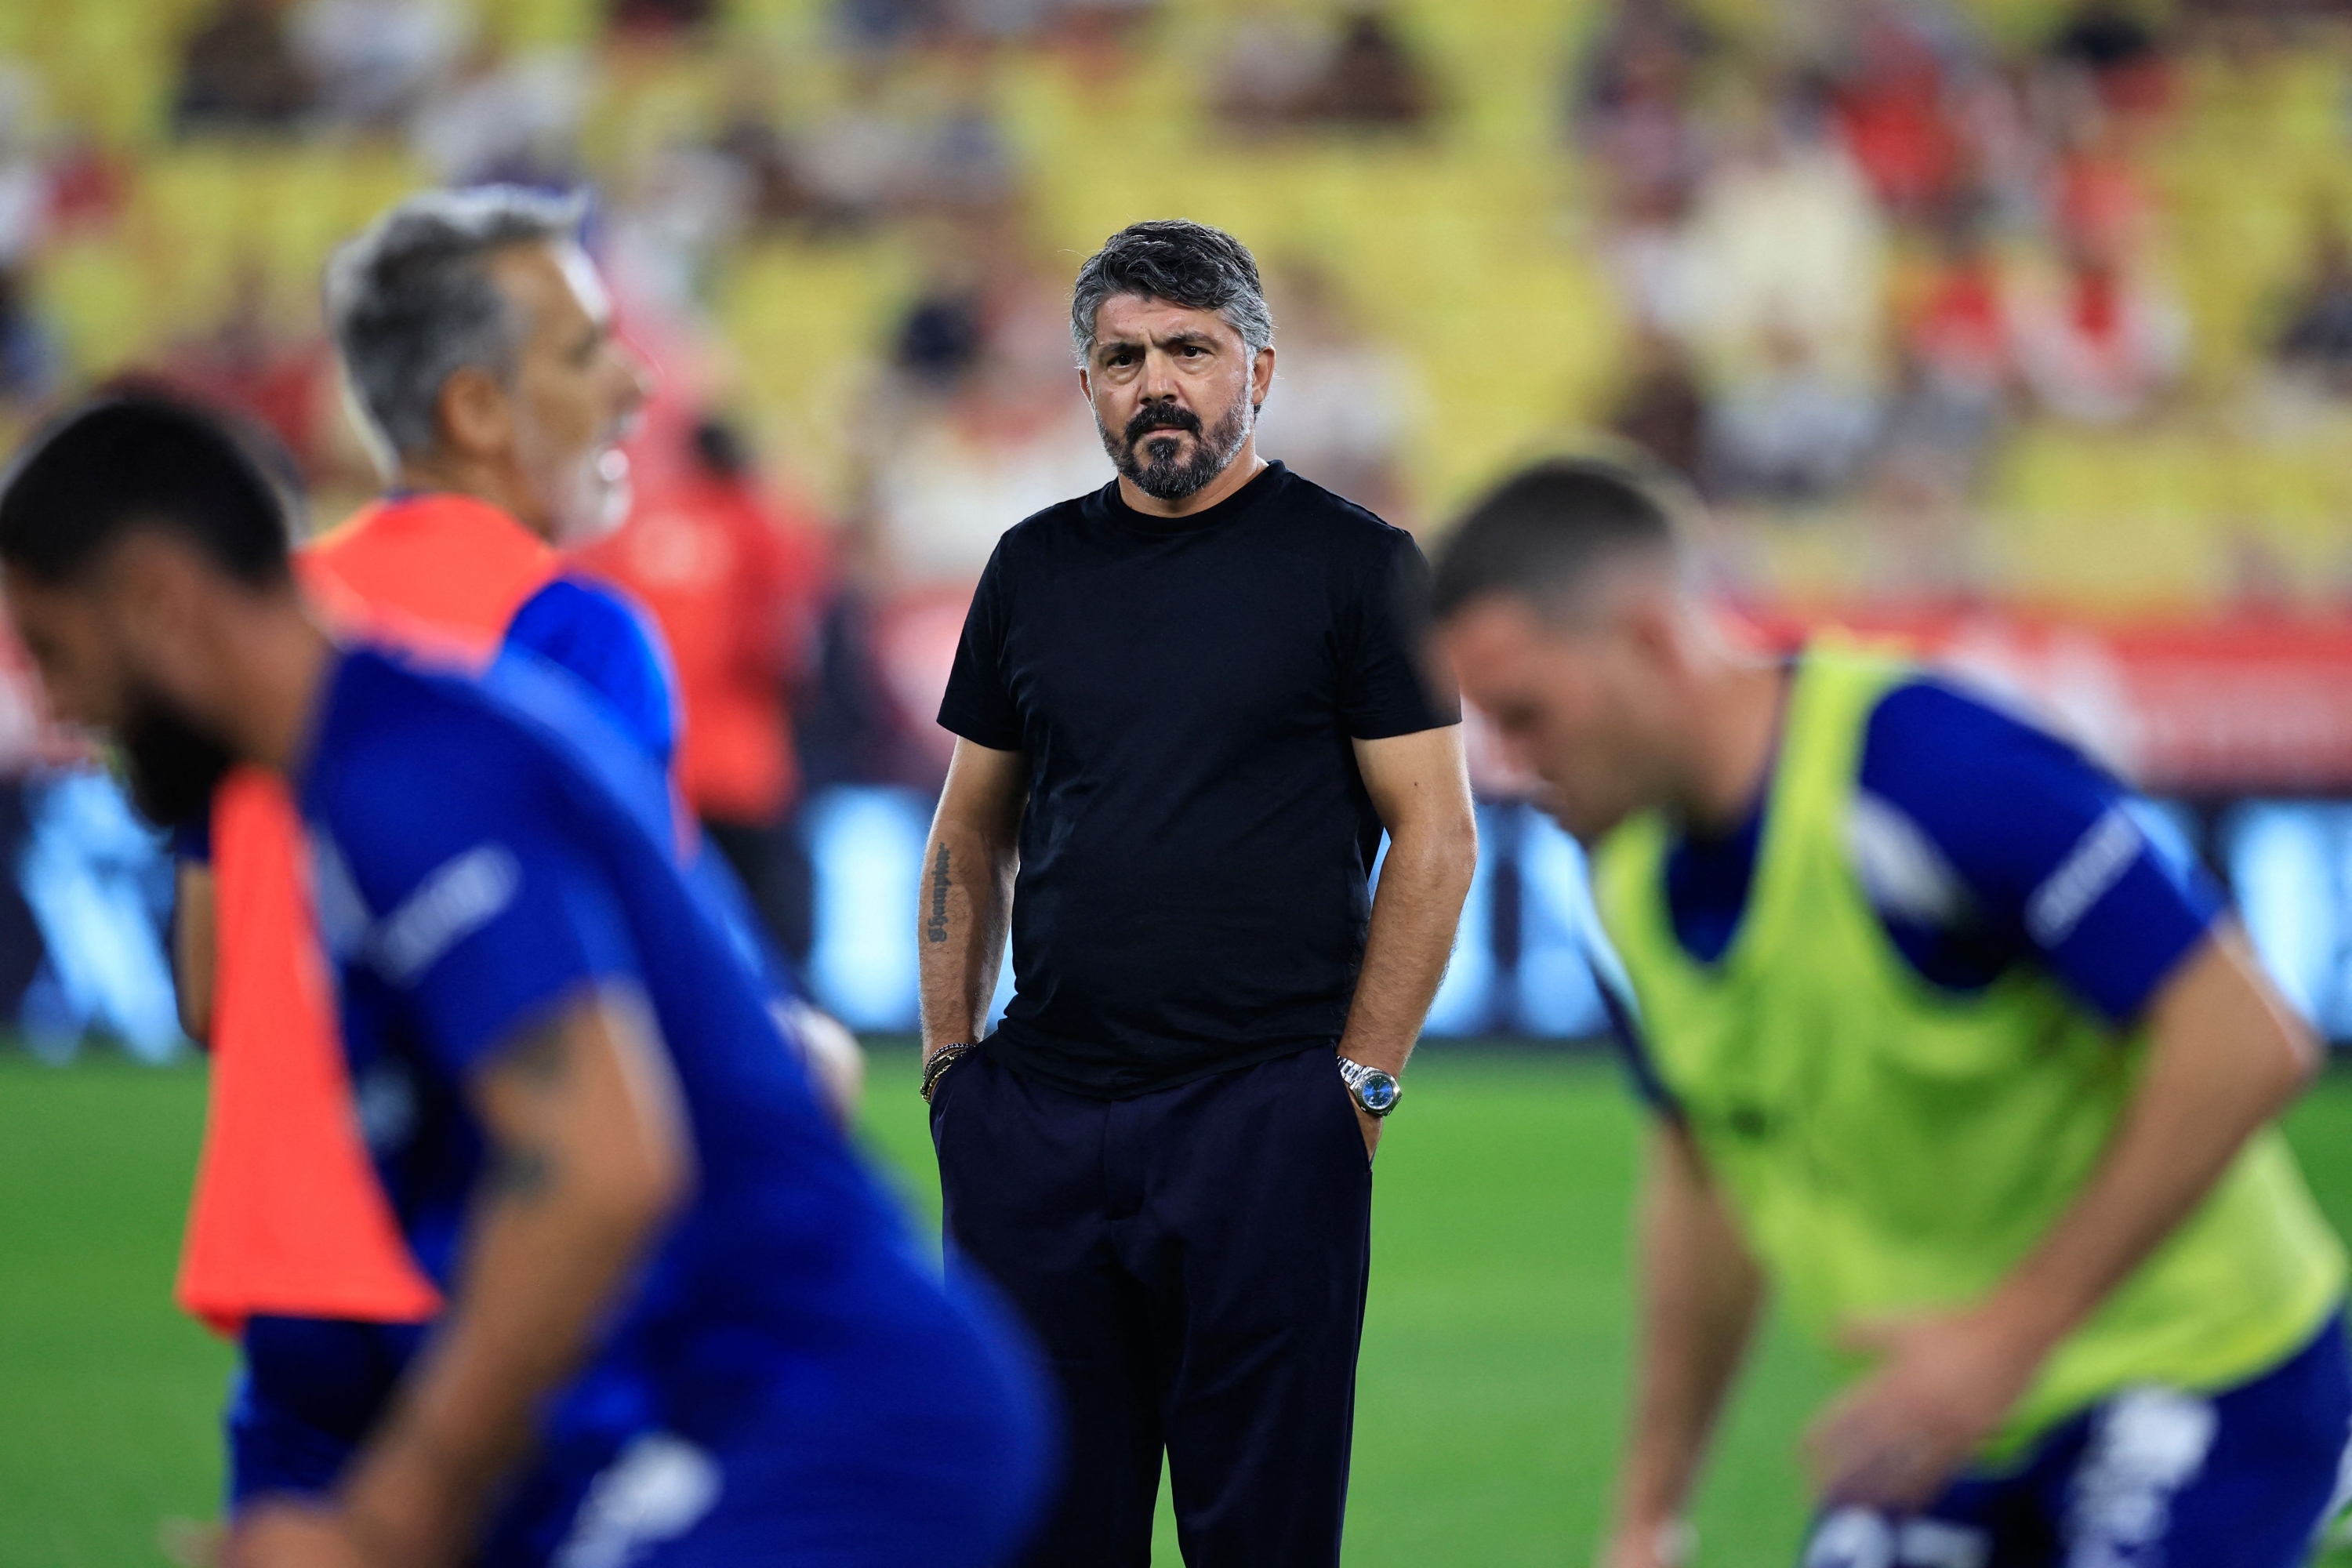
(684, 1326)
(478, 342)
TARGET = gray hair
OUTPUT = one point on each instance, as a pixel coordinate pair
(1183, 262)
(410, 303)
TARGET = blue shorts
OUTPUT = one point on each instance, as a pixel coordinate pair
(274, 1453)
(665, 1502)
(939, 1461)
(2153, 1478)
(309, 1391)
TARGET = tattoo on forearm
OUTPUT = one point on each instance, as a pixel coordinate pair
(541, 1057)
(538, 1064)
(521, 1174)
(937, 930)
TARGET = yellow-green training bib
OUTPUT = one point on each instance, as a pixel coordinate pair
(1889, 1145)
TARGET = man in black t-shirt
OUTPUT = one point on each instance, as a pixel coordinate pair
(1187, 706)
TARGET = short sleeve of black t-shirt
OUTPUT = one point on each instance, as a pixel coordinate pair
(1388, 688)
(977, 705)
(1195, 857)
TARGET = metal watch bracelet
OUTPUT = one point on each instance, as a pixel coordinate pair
(946, 1057)
(1375, 1090)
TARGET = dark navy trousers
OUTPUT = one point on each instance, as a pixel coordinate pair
(1192, 1263)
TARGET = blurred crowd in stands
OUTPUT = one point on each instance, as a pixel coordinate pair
(972, 421)
(1849, 249)
(1846, 258)
(1846, 251)
(1753, 221)
(1859, 267)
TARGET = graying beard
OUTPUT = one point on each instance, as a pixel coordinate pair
(1170, 482)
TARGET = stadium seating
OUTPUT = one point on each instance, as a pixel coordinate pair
(1471, 250)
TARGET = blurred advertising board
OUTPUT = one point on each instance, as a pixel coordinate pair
(2198, 708)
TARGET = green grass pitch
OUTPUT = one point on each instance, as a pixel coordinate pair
(1495, 1348)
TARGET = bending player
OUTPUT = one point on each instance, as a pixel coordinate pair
(1948, 1052)
(684, 1328)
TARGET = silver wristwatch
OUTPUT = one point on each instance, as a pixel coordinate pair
(1376, 1091)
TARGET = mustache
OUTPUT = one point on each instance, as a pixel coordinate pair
(1161, 417)
(1154, 467)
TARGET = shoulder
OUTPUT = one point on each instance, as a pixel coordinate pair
(1040, 549)
(1304, 502)
(1364, 553)
(584, 608)
(1043, 531)
(1373, 572)
(1973, 818)
(1929, 731)
(410, 756)
(597, 631)
(407, 752)
(1961, 781)
(603, 638)
(400, 716)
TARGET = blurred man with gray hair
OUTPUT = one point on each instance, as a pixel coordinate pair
(1186, 707)
(476, 342)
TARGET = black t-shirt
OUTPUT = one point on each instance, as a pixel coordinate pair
(1197, 848)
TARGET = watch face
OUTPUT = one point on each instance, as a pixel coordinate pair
(1378, 1091)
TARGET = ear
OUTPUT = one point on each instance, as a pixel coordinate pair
(1657, 623)
(474, 414)
(1085, 384)
(1262, 375)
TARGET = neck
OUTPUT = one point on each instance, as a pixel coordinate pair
(1247, 465)
(276, 659)
(1738, 706)
(485, 479)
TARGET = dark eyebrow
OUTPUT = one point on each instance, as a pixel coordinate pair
(1176, 339)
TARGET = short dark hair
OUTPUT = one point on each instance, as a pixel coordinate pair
(1183, 262)
(123, 463)
(1544, 531)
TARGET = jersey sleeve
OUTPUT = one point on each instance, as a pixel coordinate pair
(602, 637)
(487, 912)
(2060, 862)
(1384, 686)
(978, 704)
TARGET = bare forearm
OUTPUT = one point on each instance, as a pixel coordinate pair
(966, 910)
(1415, 915)
(192, 949)
(539, 1276)
(578, 1185)
(2225, 1059)
(1700, 1295)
